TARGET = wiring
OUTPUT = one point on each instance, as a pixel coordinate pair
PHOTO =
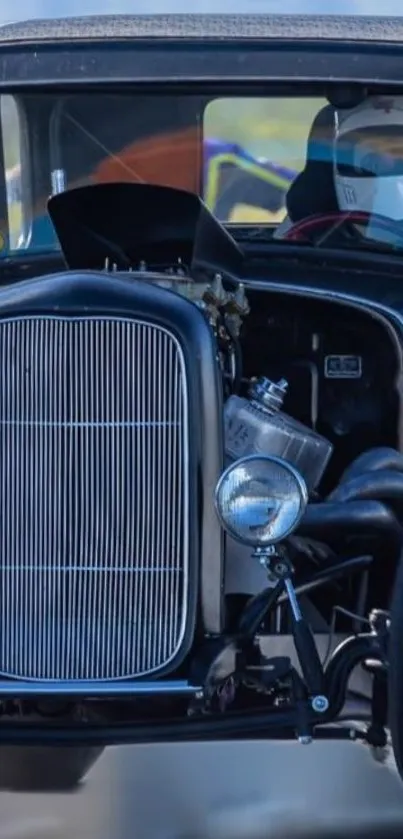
(340, 610)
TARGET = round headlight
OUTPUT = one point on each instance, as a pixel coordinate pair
(260, 500)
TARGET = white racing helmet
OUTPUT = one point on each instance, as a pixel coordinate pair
(368, 158)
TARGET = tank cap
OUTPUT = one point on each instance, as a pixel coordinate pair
(268, 394)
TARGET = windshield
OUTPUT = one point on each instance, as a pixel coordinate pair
(272, 161)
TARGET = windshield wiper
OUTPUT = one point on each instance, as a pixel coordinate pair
(265, 235)
(370, 245)
(252, 234)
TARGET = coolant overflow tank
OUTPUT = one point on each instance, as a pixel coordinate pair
(258, 426)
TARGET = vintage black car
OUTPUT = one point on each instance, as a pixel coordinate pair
(201, 480)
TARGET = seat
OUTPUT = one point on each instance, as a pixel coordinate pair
(313, 189)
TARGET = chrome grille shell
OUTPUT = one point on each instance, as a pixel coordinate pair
(94, 498)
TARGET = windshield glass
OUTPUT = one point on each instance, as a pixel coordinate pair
(268, 161)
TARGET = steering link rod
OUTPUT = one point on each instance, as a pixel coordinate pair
(308, 655)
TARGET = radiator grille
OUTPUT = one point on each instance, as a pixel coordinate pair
(93, 498)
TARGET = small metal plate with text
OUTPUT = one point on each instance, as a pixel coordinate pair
(343, 367)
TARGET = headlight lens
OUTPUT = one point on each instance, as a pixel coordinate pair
(260, 500)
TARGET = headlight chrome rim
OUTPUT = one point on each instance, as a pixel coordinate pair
(275, 461)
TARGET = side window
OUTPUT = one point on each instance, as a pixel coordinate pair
(253, 150)
(12, 140)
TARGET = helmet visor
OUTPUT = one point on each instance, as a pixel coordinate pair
(370, 152)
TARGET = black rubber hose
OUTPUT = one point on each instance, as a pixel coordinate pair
(236, 385)
(345, 658)
(372, 460)
(328, 575)
(337, 520)
(256, 610)
(384, 485)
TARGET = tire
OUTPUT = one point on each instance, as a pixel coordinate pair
(45, 768)
(395, 674)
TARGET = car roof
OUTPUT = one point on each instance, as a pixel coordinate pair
(204, 27)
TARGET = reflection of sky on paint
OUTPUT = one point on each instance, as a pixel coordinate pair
(58, 8)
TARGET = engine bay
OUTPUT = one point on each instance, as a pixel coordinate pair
(341, 370)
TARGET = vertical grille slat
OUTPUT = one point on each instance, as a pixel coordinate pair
(94, 495)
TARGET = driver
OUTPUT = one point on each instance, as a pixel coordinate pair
(364, 169)
(368, 158)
